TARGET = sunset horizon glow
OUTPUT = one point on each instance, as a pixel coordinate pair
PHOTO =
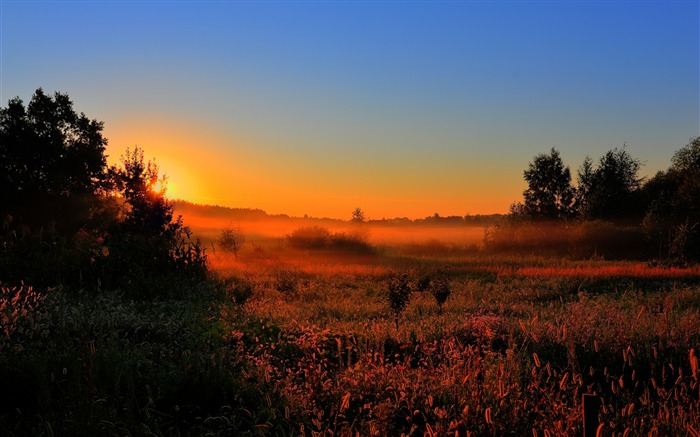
(401, 109)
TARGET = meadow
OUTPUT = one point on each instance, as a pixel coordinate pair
(289, 341)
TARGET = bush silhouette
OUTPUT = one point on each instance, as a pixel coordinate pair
(317, 237)
(398, 294)
(310, 237)
(440, 287)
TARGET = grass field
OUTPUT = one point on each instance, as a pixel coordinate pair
(304, 342)
(513, 349)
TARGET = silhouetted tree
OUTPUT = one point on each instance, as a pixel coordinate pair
(673, 216)
(150, 242)
(148, 211)
(612, 188)
(549, 195)
(52, 183)
(52, 161)
(686, 164)
(231, 239)
(687, 159)
(585, 175)
(358, 215)
(398, 294)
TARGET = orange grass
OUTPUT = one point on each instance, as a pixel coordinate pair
(636, 270)
(321, 265)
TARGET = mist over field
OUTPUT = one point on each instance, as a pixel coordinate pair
(380, 233)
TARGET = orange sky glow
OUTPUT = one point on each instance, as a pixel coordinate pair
(207, 166)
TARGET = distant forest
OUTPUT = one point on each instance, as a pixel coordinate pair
(250, 214)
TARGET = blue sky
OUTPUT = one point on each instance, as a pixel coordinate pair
(405, 108)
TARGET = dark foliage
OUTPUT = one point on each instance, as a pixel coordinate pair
(317, 238)
(440, 287)
(398, 294)
(52, 163)
(673, 217)
(549, 195)
(310, 237)
(68, 220)
(149, 244)
(622, 216)
(612, 189)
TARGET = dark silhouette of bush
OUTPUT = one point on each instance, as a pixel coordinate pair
(351, 242)
(398, 294)
(423, 282)
(310, 237)
(287, 282)
(318, 238)
(440, 287)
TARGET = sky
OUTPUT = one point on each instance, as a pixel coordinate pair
(403, 108)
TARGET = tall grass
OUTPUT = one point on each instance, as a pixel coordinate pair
(510, 353)
(294, 343)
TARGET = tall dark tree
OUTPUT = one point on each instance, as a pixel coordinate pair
(687, 159)
(585, 175)
(686, 166)
(52, 160)
(612, 189)
(148, 211)
(149, 243)
(674, 195)
(549, 195)
(673, 216)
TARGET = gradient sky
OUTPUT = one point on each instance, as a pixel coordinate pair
(401, 108)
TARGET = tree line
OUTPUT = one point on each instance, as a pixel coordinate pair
(664, 208)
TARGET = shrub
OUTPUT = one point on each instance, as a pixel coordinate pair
(318, 238)
(398, 294)
(310, 237)
(440, 287)
(354, 242)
